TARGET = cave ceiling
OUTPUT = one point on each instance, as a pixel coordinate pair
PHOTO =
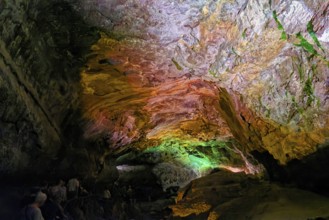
(146, 75)
(208, 70)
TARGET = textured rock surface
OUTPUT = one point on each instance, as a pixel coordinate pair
(192, 70)
(224, 195)
(175, 163)
(39, 83)
(165, 66)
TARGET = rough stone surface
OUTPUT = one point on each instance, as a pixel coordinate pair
(163, 62)
(175, 163)
(39, 83)
(199, 70)
(224, 195)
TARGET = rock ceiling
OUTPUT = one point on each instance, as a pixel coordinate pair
(183, 85)
(205, 70)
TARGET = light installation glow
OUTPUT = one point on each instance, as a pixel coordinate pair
(180, 161)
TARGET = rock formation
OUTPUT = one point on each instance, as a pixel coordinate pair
(178, 87)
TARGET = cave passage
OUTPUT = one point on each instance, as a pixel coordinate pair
(194, 109)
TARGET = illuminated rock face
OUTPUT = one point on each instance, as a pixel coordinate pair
(210, 70)
(176, 162)
(253, 71)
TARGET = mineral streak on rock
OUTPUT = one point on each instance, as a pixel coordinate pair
(208, 70)
(205, 70)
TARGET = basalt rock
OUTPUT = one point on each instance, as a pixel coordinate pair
(265, 61)
(253, 71)
(224, 195)
(41, 49)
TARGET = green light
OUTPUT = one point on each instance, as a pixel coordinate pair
(179, 161)
(199, 156)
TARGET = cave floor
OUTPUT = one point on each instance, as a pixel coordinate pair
(220, 195)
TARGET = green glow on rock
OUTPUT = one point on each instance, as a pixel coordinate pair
(176, 161)
(199, 156)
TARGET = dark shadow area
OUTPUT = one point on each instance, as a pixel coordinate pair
(275, 171)
(310, 173)
(136, 197)
(51, 45)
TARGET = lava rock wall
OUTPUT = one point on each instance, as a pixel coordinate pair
(256, 70)
(267, 59)
(41, 47)
(277, 63)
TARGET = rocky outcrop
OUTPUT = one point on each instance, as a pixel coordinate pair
(255, 71)
(196, 72)
(266, 61)
(176, 163)
(224, 195)
(41, 48)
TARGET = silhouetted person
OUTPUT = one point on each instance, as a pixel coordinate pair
(73, 186)
(32, 210)
(52, 211)
(58, 192)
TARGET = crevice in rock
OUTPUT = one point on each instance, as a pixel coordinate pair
(17, 82)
